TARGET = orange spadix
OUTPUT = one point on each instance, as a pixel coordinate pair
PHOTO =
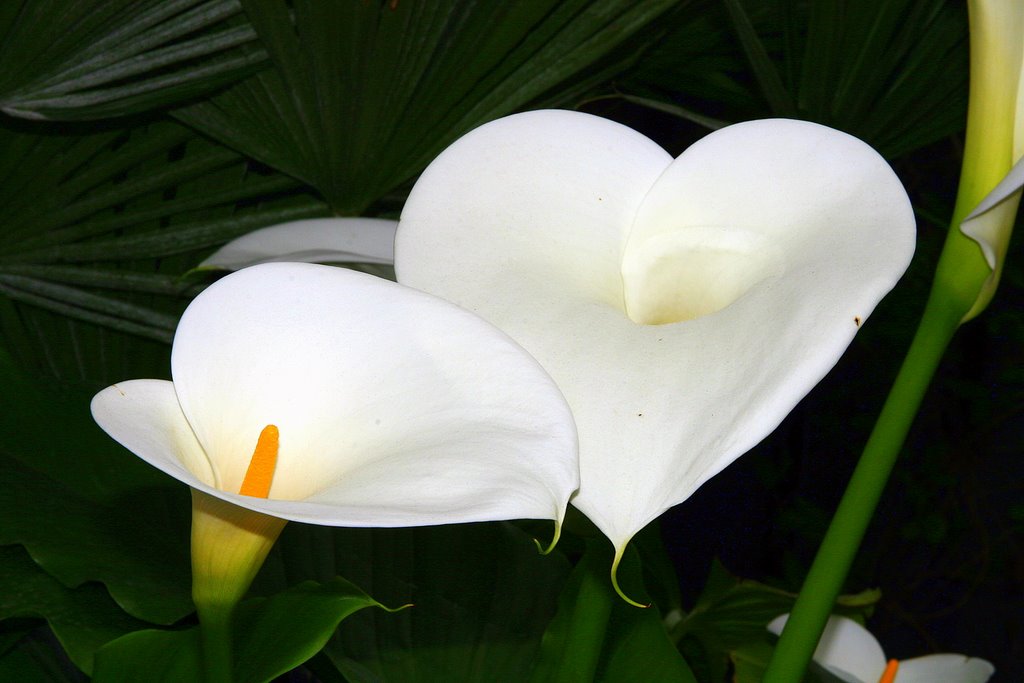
(261, 468)
(889, 675)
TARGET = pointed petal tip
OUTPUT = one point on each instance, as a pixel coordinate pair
(400, 608)
(619, 551)
(554, 540)
(775, 625)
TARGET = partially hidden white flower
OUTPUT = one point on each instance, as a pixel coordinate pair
(314, 240)
(383, 406)
(682, 306)
(849, 652)
(993, 173)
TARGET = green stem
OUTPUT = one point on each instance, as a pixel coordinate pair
(839, 547)
(215, 627)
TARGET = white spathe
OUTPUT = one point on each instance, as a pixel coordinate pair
(990, 182)
(314, 240)
(682, 306)
(394, 408)
(848, 651)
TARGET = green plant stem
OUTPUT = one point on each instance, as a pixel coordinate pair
(842, 540)
(215, 627)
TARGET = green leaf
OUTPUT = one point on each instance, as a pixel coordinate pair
(576, 638)
(660, 576)
(750, 661)
(86, 509)
(98, 227)
(698, 62)
(639, 643)
(633, 646)
(102, 58)
(677, 111)
(364, 94)
(37, 659)
(152, 656)
(271, 637)
(779, 98)
(83, 619)
(274, 635)
(481, 597)
(732, 614)
(642, 650)
(892, 73)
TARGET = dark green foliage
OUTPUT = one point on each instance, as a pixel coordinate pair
(891, 73)
(93, 59)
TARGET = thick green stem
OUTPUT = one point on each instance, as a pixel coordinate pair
(229, 544)
(839, 547)
(215, 627)
(964, 283)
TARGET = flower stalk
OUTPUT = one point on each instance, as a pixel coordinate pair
(842, 540)
(965, 281)
(229, 545)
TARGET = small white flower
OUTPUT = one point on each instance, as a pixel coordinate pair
(848, 651)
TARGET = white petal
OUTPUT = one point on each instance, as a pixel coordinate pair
(945, 668)
(317, 240)
(143, 416)
(991, 222)
(553, 194)
(394, 407)
(529, 222)
(846, 649)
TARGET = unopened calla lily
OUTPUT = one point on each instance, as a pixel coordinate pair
(849, 652)
(317, 394)
(683, 306)
(989, 195)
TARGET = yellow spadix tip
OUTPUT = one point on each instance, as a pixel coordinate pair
(260, 474)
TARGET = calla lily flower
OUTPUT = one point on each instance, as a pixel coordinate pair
(317, 394)
(989, 192)
(849, 652)
(315, 240)
(683, 306)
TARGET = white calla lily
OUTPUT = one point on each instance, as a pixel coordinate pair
(683, 306)
(315, 240)
(393, 408)
(849, 652)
